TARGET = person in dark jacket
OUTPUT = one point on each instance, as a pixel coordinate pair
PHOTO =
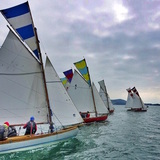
(4, 131)
(31, 126)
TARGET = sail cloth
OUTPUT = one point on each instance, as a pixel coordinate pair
(22, 92)
(129, 103)
(64, 80)
(83, 69)
(68, 74)
(104, 95)
(19, 17)
(65, 112)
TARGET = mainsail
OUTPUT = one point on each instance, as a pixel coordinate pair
(19, 17)
(129, 103)
(22, 91)
(60, 102)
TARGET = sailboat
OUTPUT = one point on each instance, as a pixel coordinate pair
(23, 91)
(134, 101)
(105, 97)
(85, 95)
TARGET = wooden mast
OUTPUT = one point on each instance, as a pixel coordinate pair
(44, 78)
(91, 90)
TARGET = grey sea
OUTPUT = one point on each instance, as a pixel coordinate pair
(124, 136)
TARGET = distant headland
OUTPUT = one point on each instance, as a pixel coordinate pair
(123, 102)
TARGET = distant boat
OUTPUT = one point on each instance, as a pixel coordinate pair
(85, 95)
(24, 92)
(105, 97)
(134, 101)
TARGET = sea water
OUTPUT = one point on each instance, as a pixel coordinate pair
(124, 136)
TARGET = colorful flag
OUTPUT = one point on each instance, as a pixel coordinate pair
(68, 74)
(83, 69)
(19, 17)
(64, 80)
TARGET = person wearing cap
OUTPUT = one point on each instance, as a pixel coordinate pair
(4, 131)
(31, 127)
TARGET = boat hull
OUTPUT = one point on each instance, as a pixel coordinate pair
(137, 110)
(28, 142)
(111, 111)
(95, 119)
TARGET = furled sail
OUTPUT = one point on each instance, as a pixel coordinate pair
(19, 17)
(83, 69)
(22, 92)
(60, 102)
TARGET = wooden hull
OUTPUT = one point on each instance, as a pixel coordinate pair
(95, 119)
(28, 142)
(137, 110)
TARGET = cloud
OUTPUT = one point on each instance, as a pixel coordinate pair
(120, 40)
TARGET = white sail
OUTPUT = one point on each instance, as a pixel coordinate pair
(129, 102)
(104, 95)
(80, 93)
(100, 106)
(136, 101)
(22, 91)
(65, 112)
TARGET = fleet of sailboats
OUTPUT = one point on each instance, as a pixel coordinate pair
(134, 101)
(85, 95)
(30, 89)
(105, 97)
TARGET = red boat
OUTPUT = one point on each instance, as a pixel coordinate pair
(95, 119)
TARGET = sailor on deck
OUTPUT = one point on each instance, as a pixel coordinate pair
(31, 126)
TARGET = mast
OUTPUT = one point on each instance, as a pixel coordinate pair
(44, 79)
(92, 91)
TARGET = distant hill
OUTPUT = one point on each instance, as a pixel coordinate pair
(123, 102)
(118, 102)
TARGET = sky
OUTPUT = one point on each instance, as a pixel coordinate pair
(120, 40)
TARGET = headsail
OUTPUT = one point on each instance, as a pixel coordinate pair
(19, 17)
(22, 92)
(65, 112)
(83, 69)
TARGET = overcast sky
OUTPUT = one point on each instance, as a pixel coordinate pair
(120, 40)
